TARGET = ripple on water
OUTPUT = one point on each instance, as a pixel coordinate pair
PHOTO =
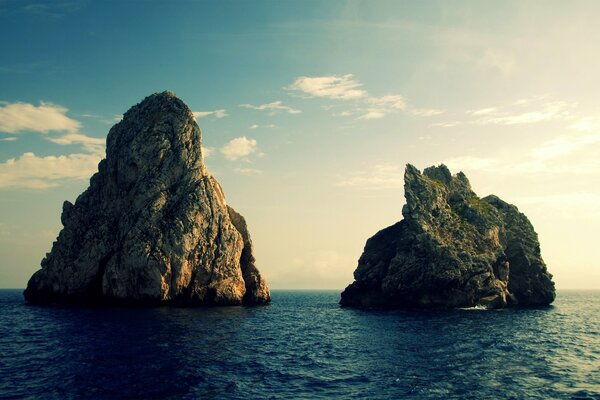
(301, 346)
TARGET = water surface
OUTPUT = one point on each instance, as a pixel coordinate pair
(303, 345)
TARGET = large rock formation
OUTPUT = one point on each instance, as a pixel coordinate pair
(153, 226)
(452, 249)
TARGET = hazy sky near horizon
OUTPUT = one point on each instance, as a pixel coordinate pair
(309, 112)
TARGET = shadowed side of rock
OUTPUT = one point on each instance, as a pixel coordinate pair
(452, 249)
(257, 290)
(152, 228)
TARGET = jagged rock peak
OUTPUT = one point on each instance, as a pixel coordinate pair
(153, 226)
(452, 249)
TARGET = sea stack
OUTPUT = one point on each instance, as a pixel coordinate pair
(452, 249)
(153, 227)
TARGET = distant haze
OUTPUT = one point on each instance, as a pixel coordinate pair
(309, 112)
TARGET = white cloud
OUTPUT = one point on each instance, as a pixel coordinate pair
(31, 171)
(426, 112)
(516, 115)
(470, 163)
(381, 176)
(373, 114)
(256, 126)
(207, 151)
(587, 204)
(389, 102)
(586, 124)
(216, 113)
(247, 171)
(446, 124)
(17, 117)
(107, 120)
(526, 111)
(483, 111)
(345, 87)
(565, 154)
(342, 87)
(238, 148)
(563, 145)
(91, 144)
(8, 139)
(342, 114)
(524, 118)
(272, 107)
(379, 107)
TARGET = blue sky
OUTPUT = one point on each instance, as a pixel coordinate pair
(309, 112)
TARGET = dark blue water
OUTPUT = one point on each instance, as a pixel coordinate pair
(303, 345)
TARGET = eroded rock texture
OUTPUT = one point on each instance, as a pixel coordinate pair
(452, 249)
(153, 226)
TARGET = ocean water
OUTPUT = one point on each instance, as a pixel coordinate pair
(303, 345)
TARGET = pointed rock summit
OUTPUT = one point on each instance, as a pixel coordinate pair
(153, 226)
(452, 249)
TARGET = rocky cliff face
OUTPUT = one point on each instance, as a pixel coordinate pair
(153, 226)
(452, 249)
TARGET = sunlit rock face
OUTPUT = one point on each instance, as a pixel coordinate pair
(153, 226)
(452, 249)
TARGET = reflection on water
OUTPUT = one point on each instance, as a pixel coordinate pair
(302, 345)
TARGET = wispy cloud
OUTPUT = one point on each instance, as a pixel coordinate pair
(340, 87)
(483, 111)
(107, 120)
(425, 112)
(51, 120)
(392, 102)
(33, 172)
(364, 105)
(273, 107)
(9, 139)
(342, 114)
(524, 112)
(46, 117)
(256, 126)
(586, 124)
(586, 203)
(238, 148)
(379, 107)
(91, 144)
(564, 154)
(247, 171)
(381, 176)
(471, 163)
(207, 151)
(373, 113)
(565, 144)
(216, 113)
(445, 124)
(56, 9)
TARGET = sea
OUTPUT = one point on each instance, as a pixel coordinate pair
(301, 346)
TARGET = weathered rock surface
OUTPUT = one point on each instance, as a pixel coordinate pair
(452, 249)
(153, 226)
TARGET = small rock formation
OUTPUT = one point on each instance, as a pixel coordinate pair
(153, 226)
(452, 249)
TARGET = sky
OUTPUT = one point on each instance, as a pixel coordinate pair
(310, 111)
